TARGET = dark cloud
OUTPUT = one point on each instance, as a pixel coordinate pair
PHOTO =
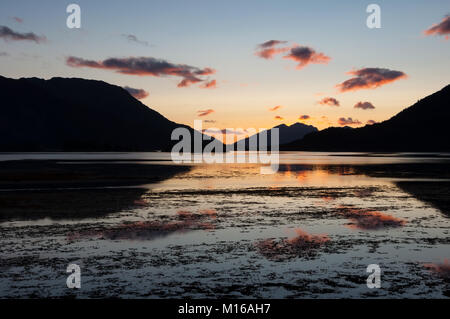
(205, 112)
(364, 105)
(271, 43)
(370, 78)
(306, 55)
(304, 117)
(277, 107)
(222, 131)
(331, 101)
(442, 28)
(4, 54)
(137, 93)
(348, 121)
(268, 50)
(133, 38)
(8, 34)
(370, 122)
(146, 66)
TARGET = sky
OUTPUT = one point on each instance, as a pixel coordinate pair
(240, 64)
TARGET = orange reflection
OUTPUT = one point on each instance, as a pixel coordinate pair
(302, 245)
(441, 269)
(370, 220)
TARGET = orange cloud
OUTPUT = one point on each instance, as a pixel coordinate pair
(331, 101)
(370, 122)
(370, 78)
(205, 112)
(306, 55)
(209, 85)
(442, 28)
(278, 118)
(275, 108)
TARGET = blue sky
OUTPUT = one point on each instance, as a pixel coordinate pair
(223, 35)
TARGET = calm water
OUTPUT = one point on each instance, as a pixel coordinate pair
(225, 230)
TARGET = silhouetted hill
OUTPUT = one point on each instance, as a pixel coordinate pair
(287, 134)
(77, 115)
(421, 127)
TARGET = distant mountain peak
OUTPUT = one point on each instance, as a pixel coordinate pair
(287, 133)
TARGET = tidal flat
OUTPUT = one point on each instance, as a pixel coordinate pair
(140, 227)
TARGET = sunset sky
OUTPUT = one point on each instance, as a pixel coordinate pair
(250, 63)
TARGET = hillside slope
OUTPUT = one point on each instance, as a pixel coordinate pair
(77, 115)
(422, 127)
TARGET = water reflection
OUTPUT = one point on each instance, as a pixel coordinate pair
(370, 220)
(67, 204)
(441, 269)
(150, 230)
(304, 244)
(433, 192)
(163, 233)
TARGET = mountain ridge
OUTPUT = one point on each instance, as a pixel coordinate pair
(421, 127)
(287, 133)
(73, 114)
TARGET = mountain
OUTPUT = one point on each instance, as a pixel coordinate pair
(287, 134)
(422, 127)
(73, 114)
